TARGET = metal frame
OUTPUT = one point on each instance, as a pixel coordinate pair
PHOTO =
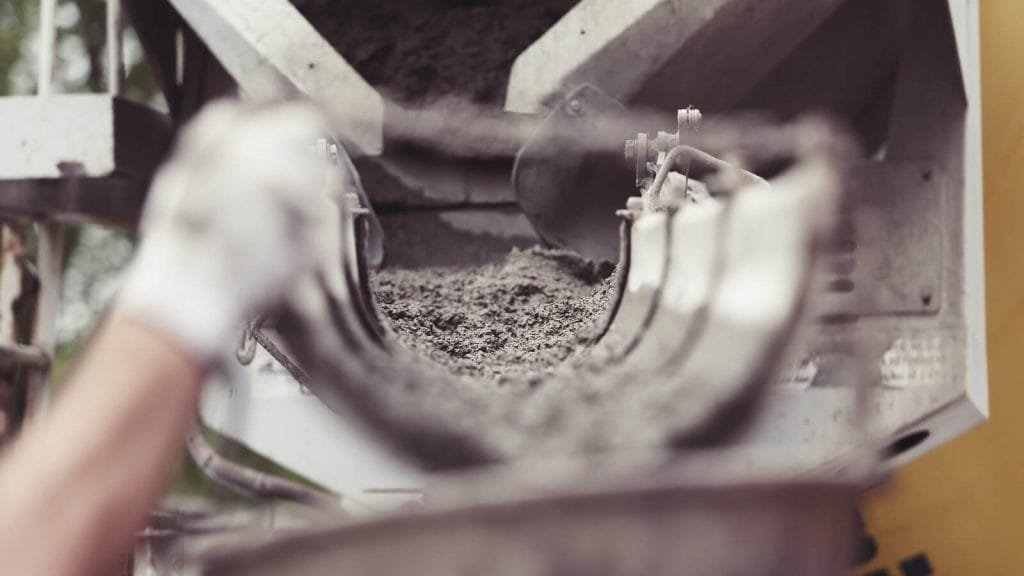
(945, 401)
(917, 276)
(66, 158)
(268, 46)
(660, 51)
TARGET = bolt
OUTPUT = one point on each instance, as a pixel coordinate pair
(688, 118)
(575, 106)
(926, 297)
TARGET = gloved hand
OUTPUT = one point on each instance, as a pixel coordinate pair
(231, 221)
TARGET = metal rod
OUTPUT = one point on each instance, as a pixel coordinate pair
(11, 280)
(51, 259)
(115, 47)
(26, 356)
(239, 478)
(47, 43)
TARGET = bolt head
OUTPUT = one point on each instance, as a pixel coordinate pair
(575, 106)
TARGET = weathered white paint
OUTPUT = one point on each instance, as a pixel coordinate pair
(267, 44)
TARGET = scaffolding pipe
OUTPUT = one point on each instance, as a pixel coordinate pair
(50, 267)
(115, 48)
(47, 43)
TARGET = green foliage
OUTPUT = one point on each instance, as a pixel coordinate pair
(85, 38)
(16, 17)
(63, 358)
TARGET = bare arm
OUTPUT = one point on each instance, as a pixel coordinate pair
(75, 489)
(231, 221)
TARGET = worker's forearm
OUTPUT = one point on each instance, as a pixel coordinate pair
(236, 214)
(79, 483)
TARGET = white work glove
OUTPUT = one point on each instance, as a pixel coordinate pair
(231, 221)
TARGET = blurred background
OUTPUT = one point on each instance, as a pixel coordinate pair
(95, 255)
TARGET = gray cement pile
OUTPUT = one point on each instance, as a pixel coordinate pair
(514, 319)
(416, 51)
(515, 373)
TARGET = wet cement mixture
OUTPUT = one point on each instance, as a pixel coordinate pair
(517, 318)
(416, 51)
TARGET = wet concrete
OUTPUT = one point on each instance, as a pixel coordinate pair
(417, 51)
(517, 318)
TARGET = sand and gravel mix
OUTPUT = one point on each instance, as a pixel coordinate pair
(517, 318)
